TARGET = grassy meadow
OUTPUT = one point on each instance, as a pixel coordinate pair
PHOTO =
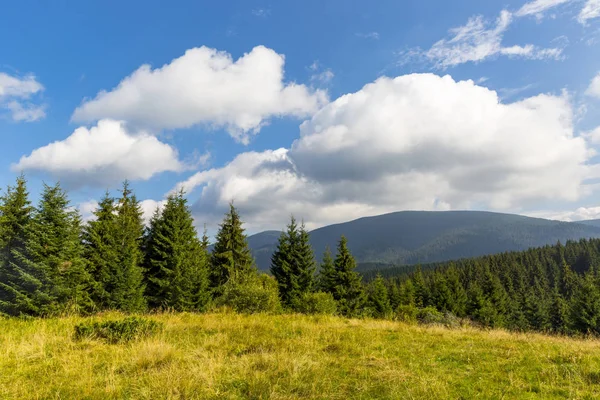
(230, 356)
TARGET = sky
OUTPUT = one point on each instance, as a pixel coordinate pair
(327, 110)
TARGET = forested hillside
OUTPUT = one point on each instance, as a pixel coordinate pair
(412, 237)
(553, 288)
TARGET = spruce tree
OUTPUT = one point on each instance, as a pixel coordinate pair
(293, 265)
(51, 274)
(348, 289)
(379, 301)
(15, 216)
(176, 264)
(126, 288)
(101, 251)
(231, 258)
(326, 277)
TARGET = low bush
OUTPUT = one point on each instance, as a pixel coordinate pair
(256, 294)
(118, 331)
(317, 303)
(407, 313)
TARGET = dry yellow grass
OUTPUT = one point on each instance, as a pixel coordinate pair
(233, 356)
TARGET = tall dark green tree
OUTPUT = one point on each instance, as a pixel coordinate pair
(15, 216)
(348, 289)
(101, 251)
(293, 264)
(379, 301)
(231, 258)
(176, 263)
(51, 274)
(127, 286)
(326, 276)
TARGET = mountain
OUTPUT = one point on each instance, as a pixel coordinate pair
(591, 222)
(411, 237)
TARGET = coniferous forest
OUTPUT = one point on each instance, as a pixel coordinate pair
(52, 263)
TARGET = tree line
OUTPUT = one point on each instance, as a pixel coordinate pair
(52, 263)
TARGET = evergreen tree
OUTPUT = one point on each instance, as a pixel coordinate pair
(293, 265)
(326, 277)
(51, 274)
(586, 306)
(231, 258)
(101, 251)
(15, 215)
(379, 300)
(348, 289)
(126, 287)
(176, 264)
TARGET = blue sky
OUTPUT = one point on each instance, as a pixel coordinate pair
(467, 105)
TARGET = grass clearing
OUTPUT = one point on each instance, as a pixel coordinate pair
(230, 356)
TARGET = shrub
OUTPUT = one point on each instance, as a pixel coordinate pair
(317, 303)
(407, 313)
(430, 315)
(255, 294)
(118, 331)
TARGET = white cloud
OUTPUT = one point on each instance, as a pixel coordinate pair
(418, 141)
(26, 111)
(580, 214)
(591, 10)
(592, 136)
(205, 86)
(538, 7)
(103, 155)
(86, 209)
(323, 77)
(594, 88)
(14, 95)
(369, 35)
(477, 41)
(147, 206)
(261, 12)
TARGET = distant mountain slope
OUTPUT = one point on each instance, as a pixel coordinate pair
(590, 222)
(411, 237)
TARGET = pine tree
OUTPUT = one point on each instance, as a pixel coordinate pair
(101, 251)
(231, 258)
(51, 273)
(586, 306)
(176, 272)
(293, 265)
(379, 301)
(348, 289)
(326, 277)
(126, 287)
(15, 216)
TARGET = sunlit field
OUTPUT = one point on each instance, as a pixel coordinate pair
(292, 357)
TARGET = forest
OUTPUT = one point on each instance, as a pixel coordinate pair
(52, 263)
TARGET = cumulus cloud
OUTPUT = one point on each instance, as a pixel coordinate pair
(594, 88)
(477, 41)
(418, 141)
(580, 214)
(590, 10)
(16, 94)
(538, 7)
(102, 155)
(148, 207)
(368, 35)
(206, 86)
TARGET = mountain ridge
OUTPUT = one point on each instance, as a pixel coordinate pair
(411, 237)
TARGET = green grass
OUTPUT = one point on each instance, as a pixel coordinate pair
(292, 357)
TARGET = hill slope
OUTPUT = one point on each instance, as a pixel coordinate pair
(411, 237)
